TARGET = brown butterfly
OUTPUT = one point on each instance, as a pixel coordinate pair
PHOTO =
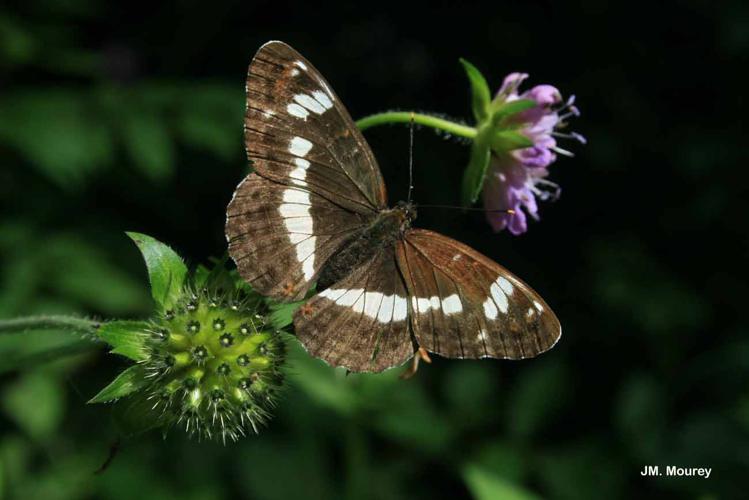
(315, 210)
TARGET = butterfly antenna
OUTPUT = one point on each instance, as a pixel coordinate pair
(411, 157)
(507, 211)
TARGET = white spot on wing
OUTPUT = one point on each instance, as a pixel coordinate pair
(302, 225)
(299, 146)
(499, 297)
(421, 305)
(435, 303)
(385, 315)
(323, 99)
(301, 65)
(505, 285)
(538, 306)
(296, 237)
(298, 176)
(359, 304)
(452, 305)
(295, 109)
(305, 248)
(333, 294)
(296, 196)
(293, 210)
(301, 163)
(310, 103)
(375, 305)
(372, 305)
(490, 310)
(350, 297)
(400, 308)
(308, 266)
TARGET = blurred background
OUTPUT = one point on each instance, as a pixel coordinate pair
(114, 118)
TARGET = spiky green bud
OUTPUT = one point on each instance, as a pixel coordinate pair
(205, 387)
(209, 361)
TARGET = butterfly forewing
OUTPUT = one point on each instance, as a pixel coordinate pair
(315, 180)
(361, 322)
(464, 305)
(297, 131)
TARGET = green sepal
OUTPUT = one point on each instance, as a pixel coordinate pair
(200, 276)
(507, 140)
(506, 109)
(131, 380)
(473, 177)
(127, 338)
(166, 271)
(480, 94)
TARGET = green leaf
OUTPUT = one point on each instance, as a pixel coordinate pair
(485, 485)
(166, 271)
(127, 382)
(126, 337)
(510, 108)
(473, 177)
(148, 143)
(480, 94)
(507, 140)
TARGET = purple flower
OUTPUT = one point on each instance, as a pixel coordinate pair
(516, 178)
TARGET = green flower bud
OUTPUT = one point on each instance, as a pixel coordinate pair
(216, 381)
(209, 361)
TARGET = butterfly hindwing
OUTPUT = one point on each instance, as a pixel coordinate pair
(280, 237)
(464, 305)
(361, 322)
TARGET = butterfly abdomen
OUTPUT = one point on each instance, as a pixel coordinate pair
(387, 227)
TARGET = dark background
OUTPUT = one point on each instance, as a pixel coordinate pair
(124, 117)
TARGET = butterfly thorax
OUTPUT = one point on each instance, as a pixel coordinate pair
(382, 232)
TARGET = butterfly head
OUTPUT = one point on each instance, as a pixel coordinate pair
(406, 212)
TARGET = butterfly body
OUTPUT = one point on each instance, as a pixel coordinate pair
(387, 227)
(315, 211)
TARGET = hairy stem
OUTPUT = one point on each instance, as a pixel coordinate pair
(419, 118)
(82, 326)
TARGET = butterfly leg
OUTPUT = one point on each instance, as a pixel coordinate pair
(420, 354)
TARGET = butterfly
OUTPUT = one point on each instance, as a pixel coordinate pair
(314, 210)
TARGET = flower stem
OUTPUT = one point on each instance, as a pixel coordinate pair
(420, 118)
(71, 324)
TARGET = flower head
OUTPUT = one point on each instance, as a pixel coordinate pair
(210, 360)
(214, 380)
(516, 177)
